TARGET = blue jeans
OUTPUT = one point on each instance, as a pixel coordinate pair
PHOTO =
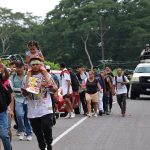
(4, 130)
(23, 121)
(106, 102)
(100, 97)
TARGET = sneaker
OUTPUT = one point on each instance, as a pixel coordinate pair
(107, 113)
(15, 127)
(57, 114)
(104, 112)
(85, 114)
(100, 113)
(29, 138)
(89, 115)
(72, 115)
(17, 133)
(68, 116)
(22, 136)
(123, 114)
(95, 115)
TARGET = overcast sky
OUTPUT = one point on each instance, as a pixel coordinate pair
(37, 7)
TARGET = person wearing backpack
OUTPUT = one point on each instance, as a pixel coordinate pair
(75, 97)
(82, 77)
(5, 101)
(24, 126)
(67, 90)
(120, 82)
(111, 77)
(74, 81)
(53, 92)
(108, 86)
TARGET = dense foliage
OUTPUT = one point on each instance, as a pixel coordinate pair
(120, 27)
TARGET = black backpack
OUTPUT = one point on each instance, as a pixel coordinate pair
(5, 97)
(79, 77)
(74, 82)
(123, 78)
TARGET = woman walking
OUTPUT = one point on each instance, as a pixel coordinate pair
(92, 86)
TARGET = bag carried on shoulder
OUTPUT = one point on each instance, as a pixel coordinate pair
(5, 97)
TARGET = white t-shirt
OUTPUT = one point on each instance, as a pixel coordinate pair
(65, 77)
(84, 76)
(120, 89)
(39, 104)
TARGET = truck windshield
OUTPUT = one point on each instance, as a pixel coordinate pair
(144, 69)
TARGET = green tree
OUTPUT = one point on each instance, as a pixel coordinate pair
(72, 31)
(12, 23)
(52, 65)
(77, 23)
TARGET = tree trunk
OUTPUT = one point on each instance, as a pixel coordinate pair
(86, 50)
(4, 40)
(3, 46)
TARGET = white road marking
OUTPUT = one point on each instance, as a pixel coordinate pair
(68, 130)
(71, 128)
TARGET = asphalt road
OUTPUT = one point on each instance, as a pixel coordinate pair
(102, 133)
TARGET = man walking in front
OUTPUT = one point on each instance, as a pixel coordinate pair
(120, 82)
(40, 111)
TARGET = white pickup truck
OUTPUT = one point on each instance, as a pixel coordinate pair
(140, 82)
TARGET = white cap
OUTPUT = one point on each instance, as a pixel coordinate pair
(47, 67)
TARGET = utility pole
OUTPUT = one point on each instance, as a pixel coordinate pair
(102, 41)
(101, 35)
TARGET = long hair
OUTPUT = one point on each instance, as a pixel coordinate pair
(5, 75)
